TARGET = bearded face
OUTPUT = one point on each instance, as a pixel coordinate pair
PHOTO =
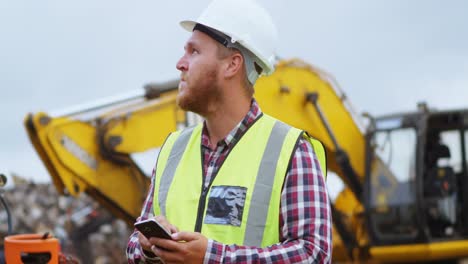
(198, 88)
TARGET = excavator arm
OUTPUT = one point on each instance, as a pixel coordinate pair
(80, 154)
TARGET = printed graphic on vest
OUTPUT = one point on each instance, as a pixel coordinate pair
(225, 205)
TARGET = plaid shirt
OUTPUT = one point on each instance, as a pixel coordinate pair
(305, 219)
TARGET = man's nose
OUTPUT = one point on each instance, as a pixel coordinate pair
(182, 64)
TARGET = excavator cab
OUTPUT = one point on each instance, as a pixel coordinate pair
(420, 195)
(391, 187)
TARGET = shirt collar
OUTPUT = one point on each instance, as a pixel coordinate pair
(237, 132)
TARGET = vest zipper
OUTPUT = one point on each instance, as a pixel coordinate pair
(201, 208)
(204, 193)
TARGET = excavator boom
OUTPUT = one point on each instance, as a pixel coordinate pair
(91, 150)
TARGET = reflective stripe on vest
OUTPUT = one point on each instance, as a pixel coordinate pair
(169, 171)
(261, 222)
(263, 185)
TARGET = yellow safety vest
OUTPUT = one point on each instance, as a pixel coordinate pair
(241, 205)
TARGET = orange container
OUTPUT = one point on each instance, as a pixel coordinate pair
(30, 243)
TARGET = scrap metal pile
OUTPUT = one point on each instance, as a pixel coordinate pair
(86, 230)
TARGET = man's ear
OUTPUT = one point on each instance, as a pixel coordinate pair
(235, 62)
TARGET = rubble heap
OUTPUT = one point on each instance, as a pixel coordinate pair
(85, 229)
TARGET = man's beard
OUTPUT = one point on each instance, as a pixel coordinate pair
(202, 94)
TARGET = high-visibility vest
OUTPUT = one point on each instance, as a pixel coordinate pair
(241, 205)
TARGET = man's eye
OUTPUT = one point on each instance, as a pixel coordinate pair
(194, 51)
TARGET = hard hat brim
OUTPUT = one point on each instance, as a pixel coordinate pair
(188, 25)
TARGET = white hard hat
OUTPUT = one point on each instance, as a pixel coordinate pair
(244, 22)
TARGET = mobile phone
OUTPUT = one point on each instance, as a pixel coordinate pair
(151, 228)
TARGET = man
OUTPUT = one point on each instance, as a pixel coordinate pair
(251, 187)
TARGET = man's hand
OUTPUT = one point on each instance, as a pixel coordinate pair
(186, 247)
(145, 243)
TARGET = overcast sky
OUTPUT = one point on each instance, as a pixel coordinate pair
(386, 55)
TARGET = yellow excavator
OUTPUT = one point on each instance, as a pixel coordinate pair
(405, 175)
